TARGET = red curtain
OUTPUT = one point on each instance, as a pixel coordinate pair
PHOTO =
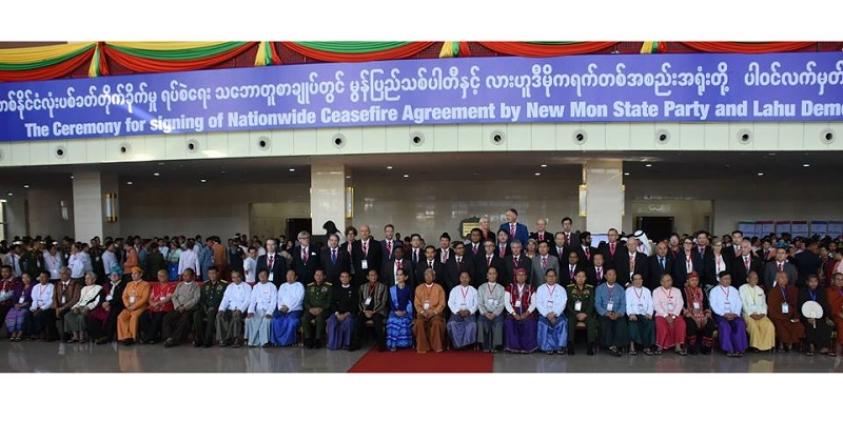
(545, 50)
(402, 52)
(140, 64)
(732, 47)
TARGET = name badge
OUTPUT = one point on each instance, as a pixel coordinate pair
(109, 298)
(610, 306)
(550, 303)
(64, 299)
(785, 308)
(578, 306)
(22, 299)
(641, 307)
(517, 303)
(364, 264)
(131, 299)
(368, 301)
(426, 305)
(492, 302)
(669, 306)
(162, 298)
(697, 305)
(462, 306)
(728, 307)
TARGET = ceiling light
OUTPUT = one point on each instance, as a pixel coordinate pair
(406, 175)
(544, 165)
(649, 165)
(160, 163)
(292, 169)
(26, 186)
(389, 167)
(129, 182)
(203, 181)
(806, 165)
(626, 174)
(760, 174)
(348, 177)
(10, 194)
(538, 174)
(71, 177)
(157, 174)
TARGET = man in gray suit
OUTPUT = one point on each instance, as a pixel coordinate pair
(541, 263)
(779, 264)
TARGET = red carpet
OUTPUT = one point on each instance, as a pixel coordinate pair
(410, 361)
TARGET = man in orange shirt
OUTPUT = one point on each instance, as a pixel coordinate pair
(136, 299)
(429, 327)
(220, 256)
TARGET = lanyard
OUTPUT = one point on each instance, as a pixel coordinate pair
(464, 291)
(551, 290)
(784, 294)
(813, 295)
(638, 293)
(726, 292)
(669, 294)
(491, 290)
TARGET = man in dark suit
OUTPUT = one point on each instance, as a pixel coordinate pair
(630, 263)
(611, 249)
(584, 249)
(571, 267)
(415, 253)
(515, 261)
(305, 258)
(502, 247)
(273, 263)
(541, 263)
(733, 251)
(557, 246)
(687, 261)
(745, 263)
(541, 233)
(705, 252)
(807, 262)
(571, 238)
(389, 242)
(430, 261)
(366, 254)
(454, 267)
(444, 252)
(334, 260)
(397, 262)
(483, 263)
(596, 272)
(659, 264)
(474, 248)
(515, 229)
(780, 263)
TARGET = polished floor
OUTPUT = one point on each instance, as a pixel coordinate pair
(60, 357)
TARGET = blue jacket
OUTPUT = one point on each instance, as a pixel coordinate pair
(618, 297)
(521, 232)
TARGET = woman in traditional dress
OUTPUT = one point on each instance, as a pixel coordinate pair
(699, 323)
(520, 325)
(17, 319)
(89, 298)
(399, 323)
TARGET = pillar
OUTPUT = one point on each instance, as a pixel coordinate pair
(90, 192)
(602, 193)
(328, 194)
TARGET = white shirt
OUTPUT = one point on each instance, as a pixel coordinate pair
(291, 295)
(753, 300)
(507, 299)
(250, 266)
(719, 264)
(89, 297)
(42, 297)
(76, 265)
(164, 250)
(463, 297)
(550, 299)
(723, 300)
(639, 301)
(109, 262)
(236, 297)
(263, 298)
(188, 259)
(52, 264)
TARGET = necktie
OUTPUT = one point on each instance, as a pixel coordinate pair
(366, 248)
(389, 248)
(502, 250)
(661, 263)
(631, 263)
(599, 273)
(544, 262)
(400, 264)
(559, 251)
(781, 266)
(567, 239)
(304, 254)
(270, 262)
(474, 249)
(612, 248)
(416, 256)
(746, 263)
(334, 255)
(511, 230)
(430, 264)
(489, 260)
(541, 236)
(570, 271)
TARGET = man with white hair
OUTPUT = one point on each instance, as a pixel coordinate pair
(541, 233)
(366, 254)
(305, 258)
(631, 263)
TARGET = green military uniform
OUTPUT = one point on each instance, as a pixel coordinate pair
(205, 315)
(316, 296)
(586, 297)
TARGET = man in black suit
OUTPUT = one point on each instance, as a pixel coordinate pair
(305, 258)
(415, 253)
(389, 242)
(584, 249)
(430, 261)
(541, 233)
(611, 249)
(631, 262)
(444, 252)
(366, 254)
(482, 264)
(569, 270)
(502, 248)
(733, 251)
(745, 263)
(659, 264)
(474, 248)
(557, 247)
(515, 261)
(397, 262)
(334, 260)
(273, 263)
(596, 272)
(453, 268)
(571, 238)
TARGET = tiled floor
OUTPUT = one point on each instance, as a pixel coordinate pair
(58, 357)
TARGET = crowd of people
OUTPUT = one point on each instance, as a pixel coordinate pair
(512, 290)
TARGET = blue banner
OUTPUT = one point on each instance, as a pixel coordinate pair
(599, 88)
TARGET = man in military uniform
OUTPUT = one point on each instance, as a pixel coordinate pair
(317, 305)
(580, 310)
(205, 315)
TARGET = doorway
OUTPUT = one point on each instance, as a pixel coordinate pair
(656, 227)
